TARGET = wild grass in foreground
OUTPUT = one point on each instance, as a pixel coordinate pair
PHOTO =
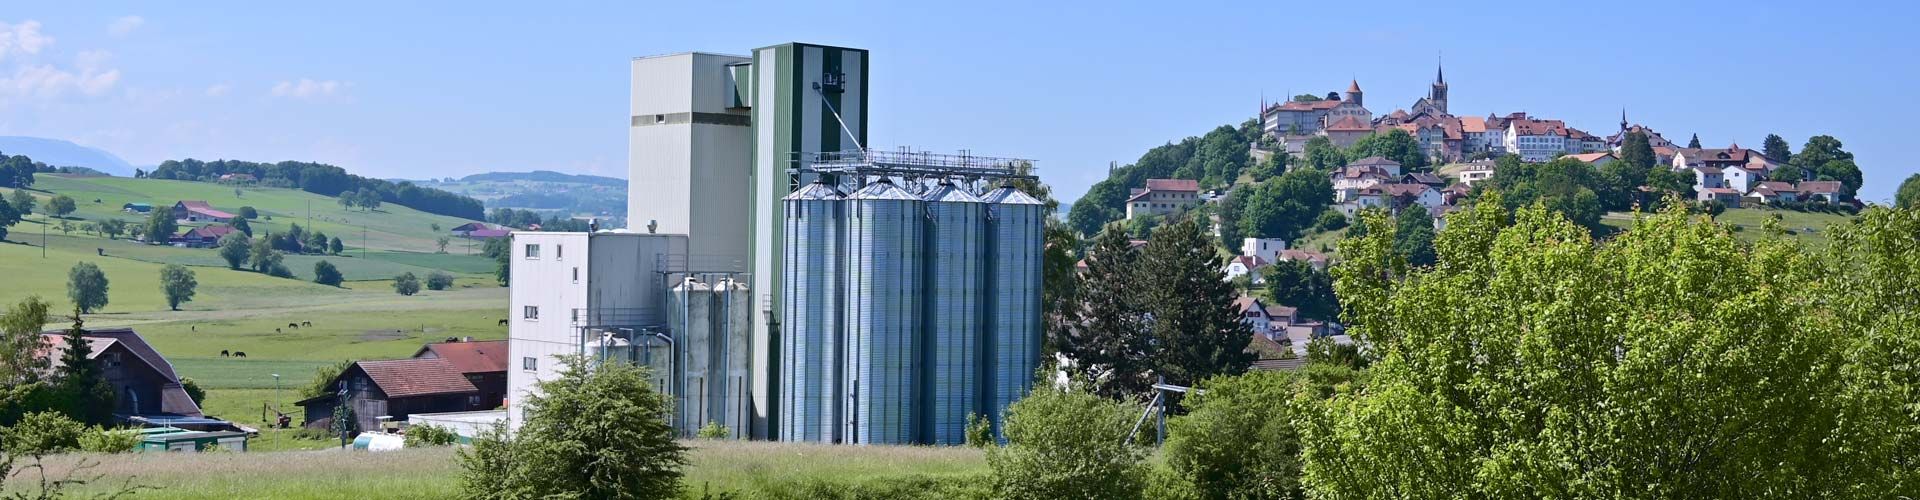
(745, 469)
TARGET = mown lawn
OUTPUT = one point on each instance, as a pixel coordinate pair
(746, 470)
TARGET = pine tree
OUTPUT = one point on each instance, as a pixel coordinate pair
(83, 387)
(1776, 148)
(1111, 347)
(1636, 151)
(1060, 287)
(1197, 332)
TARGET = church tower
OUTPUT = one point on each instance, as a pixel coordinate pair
(1438, 95)
(1353, 93)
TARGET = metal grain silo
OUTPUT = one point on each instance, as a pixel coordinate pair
(955, 268)
(812, 336)
(883, 288)
(1015, 241)
(690, 311)
(726, 394)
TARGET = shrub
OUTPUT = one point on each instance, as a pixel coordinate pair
(103, 440)
(248, 212)
(1068, 444)
(194, 392)
(593, 432)
(1239, 441)
(420, 436)
(439, 281)
(406, 284)
(43, 433)
(713, 430)
(1331, 220)
(979, 431)
(324, 273)
(279, 270)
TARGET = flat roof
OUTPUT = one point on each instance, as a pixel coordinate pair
(691, 53)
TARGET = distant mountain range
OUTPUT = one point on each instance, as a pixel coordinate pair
(60, 153)
(545, 176)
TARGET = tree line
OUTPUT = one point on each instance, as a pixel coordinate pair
(326, 180)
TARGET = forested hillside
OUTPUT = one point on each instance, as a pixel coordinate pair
(1215, 159)
(322, 179)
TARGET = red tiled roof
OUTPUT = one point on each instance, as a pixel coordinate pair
(1349, 124)
(1820, 187)
(1590, 157)
(201, 207)
(1776, 186)
(1373, 161)
(469, 357)
(209, 232)
(1473, 124)
(1251, 261)
(416, 377)
(1173, 185)
(1538, 127)
(1309, 105)
(1405, 189)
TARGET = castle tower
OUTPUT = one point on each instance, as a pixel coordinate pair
(1353, 93)
(1438, 95)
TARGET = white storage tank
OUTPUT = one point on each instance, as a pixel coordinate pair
(690, 317)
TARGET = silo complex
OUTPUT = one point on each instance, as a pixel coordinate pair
(811, 344)
(884, 276)
(1015, 244)
(726, 393)
(956, 226)
(909, 307)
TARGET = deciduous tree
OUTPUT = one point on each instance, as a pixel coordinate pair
(178, 284)
(87, 287)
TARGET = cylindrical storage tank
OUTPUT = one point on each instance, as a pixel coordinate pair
(952, 356)
(811, 333)
(884, 249)
(689, 307)
(1015, 242)
(731, 308)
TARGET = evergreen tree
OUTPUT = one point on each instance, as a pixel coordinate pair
(83, 385)
(1197, 332)
(1110, 349)
(334, 246)
(242, 226)
(1060, 286)
(1636, 150)
(1776, 148)
(1296, 284)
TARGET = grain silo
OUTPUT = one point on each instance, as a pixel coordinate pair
(883, 313)
(1015, 241)
(812, 336)
(690, 317)
(955, 268)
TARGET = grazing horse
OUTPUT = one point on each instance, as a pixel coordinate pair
(503, 322)
(239, 354)
(224, 353)
(293, 325)
(306, 323)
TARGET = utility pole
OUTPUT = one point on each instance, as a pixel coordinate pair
(43, 235)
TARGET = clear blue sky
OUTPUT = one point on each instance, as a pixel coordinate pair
(409, 89)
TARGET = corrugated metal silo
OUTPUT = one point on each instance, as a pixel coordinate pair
(811, 336)
(1015, 242)
(732, 303)
(955, 268)
(689, 305)
(884, 274)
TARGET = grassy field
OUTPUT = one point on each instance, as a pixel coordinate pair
(1808, 227)
(391, 227)
(377, 265)
(747, 470)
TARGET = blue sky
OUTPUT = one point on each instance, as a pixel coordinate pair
(412, 89)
